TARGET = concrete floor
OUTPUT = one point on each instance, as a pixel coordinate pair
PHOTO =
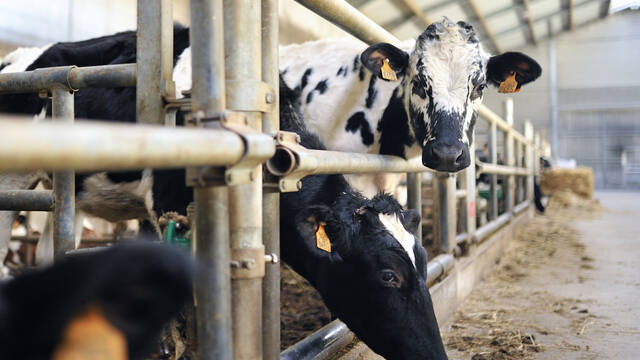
(613, 286)
(577, 289)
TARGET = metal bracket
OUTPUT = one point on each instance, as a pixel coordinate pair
(285, 162)
(249, 95)
(257, 150)
(247, 263)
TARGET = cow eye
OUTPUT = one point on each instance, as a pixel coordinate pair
(477, 91)
(389, 278)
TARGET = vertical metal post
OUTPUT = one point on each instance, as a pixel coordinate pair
(444, 216)
(242, 32)
(64, 210)
(553, 92)
(154, 56)
(528, 133)
(271, 199)
(493, 188)
(519, 179)
(510, 183)
(414, 198)
(470, 202)
(213, 285)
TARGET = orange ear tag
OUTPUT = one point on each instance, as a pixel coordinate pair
(91, 336)
(387, 72)
(509, 85)
(322, 240)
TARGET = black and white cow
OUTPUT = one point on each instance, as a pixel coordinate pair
(430, 110)
(373, 273)
(126, 292)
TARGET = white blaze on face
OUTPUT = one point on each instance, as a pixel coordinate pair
(20, 59)
(396, 229)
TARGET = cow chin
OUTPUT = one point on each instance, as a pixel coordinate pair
(446, 156)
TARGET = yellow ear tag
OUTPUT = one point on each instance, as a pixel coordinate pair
(322, 239)
(509, 85)
(91, 336)
(387, 71)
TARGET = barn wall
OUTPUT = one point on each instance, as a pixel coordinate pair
(598, 101)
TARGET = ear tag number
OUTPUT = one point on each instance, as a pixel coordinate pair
(509, 85)
(387, 71)
(322, 239)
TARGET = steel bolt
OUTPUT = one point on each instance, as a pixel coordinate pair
(269, 98)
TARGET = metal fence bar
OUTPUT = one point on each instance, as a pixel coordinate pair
(529, 151)
(27, 200)
(509, 158)
(271, 197)
(63, 181)
(470, 199)
(154, 54)
(322, 344)
(494, 118)
(484, 231)
(487, 168)
(444, 212)
(350, 20)
(493, 157)
(213, 285)
(100, 146)
(414, 198)
(70, 77)
(242, 32)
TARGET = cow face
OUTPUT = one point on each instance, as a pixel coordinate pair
(443, 80)
(374, 278)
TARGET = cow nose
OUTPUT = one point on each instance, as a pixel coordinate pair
(450, 157)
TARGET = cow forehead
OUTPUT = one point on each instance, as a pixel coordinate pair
(394, 226)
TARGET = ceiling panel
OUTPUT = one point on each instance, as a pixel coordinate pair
(512, 40)
(408, 30)
(453, 11)
(381, 11)
(488, 6)
(586, 13)
(544, 7)
(503, 22)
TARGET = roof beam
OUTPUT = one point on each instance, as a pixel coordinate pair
(604, 8)
(570, 14)
(526, 13)
(542, 18)
(483, 23)
(394, 24)
(416, 11)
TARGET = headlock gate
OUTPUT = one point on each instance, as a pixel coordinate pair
(232, 132)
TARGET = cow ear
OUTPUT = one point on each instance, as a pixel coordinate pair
(375, 56)
(411, 220)
(322, 231)
(503, 66)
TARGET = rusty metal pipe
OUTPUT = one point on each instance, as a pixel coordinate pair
(68, 77)
(27, 200)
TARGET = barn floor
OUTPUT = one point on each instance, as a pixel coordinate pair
(569, 288)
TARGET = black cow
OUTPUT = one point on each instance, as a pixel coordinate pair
(137, 288)
(358, 252)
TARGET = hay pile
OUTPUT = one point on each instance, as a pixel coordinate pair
(578, 180)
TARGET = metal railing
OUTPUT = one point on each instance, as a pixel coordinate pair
(235, 219)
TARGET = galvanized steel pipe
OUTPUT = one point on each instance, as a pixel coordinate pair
(483, 232)
(323, 344)
(213, 285)
(271, 199)
(487, 168)
(68, 77)
(27, 200)
(64, 192)
(102, 146)
(349, 19)
(243, 65)
(521, 207)
(438, 267)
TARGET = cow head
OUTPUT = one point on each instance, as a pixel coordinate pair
(373, 277)
(444, 77)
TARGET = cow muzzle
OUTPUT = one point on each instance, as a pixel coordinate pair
(448, 156)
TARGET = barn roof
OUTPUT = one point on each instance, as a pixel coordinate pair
(501, 24)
